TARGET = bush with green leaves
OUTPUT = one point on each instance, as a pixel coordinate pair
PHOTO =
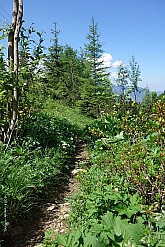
(121, 199)
(108, 213)
(107, 126)
(110, 231)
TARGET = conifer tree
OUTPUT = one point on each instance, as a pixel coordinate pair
(134, 76)
(53, 63)
(69, 85)
(122, 82)
(93, 51)
(63, 70)
(97, 88)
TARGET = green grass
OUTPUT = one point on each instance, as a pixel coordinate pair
(38, 161)
(73, 115)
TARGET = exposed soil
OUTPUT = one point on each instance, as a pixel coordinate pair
(52, 215)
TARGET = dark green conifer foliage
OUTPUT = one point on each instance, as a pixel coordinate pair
(70, 81)
(53, 63)
(96, 91)
(63, 69)
(93, 51)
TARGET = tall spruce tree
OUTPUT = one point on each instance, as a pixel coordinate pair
(97, 88)
(53, 63)
(93, 51)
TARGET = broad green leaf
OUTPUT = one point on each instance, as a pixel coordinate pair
(91, 241)
(132, 210)
(104, 238)
(136, 232)
(161, 223)
(120, 225)
(96, 228)
(134, 199)
(108, 220)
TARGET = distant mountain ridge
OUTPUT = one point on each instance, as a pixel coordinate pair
(140, 93)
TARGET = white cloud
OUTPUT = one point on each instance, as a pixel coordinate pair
(106, 58)
(107, 62)
(117, 63)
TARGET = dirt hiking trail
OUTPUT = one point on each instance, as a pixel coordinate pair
(52, 215)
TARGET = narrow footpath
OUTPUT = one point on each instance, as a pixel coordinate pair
(53, 215)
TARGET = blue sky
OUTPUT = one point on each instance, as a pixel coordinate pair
(127, 27)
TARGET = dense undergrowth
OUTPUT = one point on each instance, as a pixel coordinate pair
(37, 162)
(121, 199)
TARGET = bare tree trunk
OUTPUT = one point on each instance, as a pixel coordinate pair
(13, 56)
(11, 36)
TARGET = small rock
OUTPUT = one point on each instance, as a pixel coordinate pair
(66, 216)
(52, 207)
